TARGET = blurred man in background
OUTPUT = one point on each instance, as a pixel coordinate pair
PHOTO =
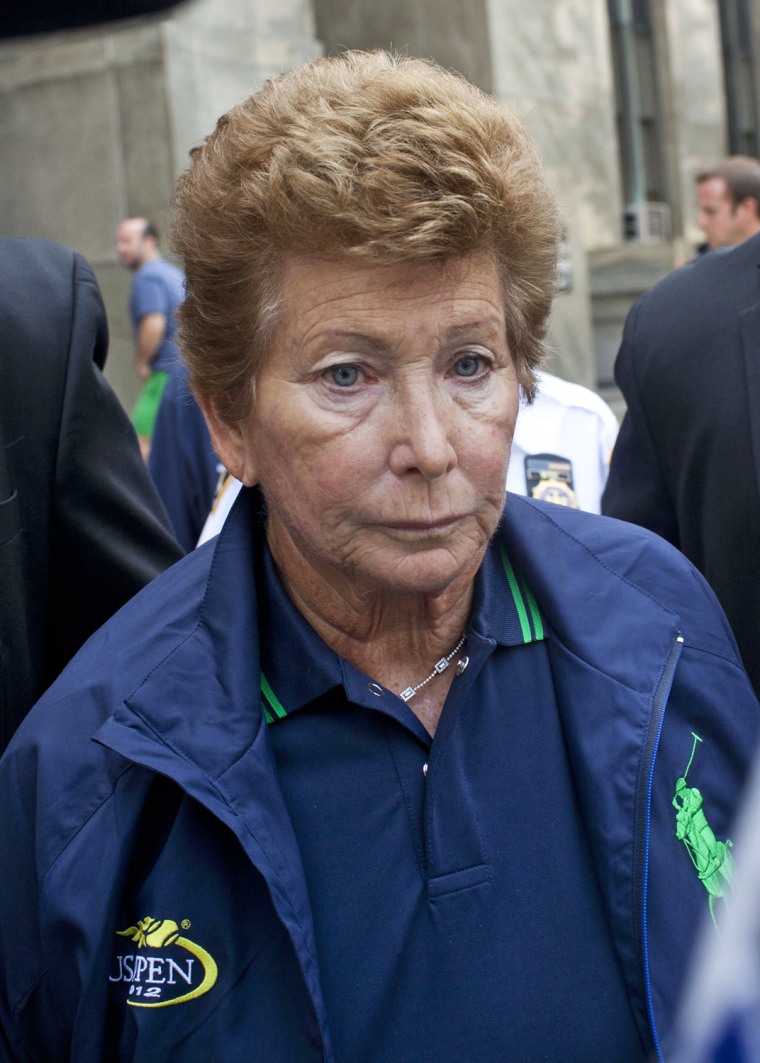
(158, 288)
(728, 202)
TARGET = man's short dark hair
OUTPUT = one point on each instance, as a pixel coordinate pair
(151, 230)
(742, 176)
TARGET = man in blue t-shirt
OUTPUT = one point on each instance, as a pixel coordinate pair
(158, 288)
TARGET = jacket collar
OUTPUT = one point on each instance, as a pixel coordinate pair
(297, 667)
(587, 591)
(580, 590)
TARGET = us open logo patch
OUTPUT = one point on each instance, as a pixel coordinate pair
(165, 968)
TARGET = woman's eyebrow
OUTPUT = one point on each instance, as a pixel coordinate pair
(489, 323)
(354, 337)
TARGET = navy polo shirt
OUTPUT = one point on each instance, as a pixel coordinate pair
(456, 910)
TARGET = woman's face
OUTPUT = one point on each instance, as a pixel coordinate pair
(382, 422)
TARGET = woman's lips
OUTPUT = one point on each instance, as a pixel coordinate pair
(424, 526)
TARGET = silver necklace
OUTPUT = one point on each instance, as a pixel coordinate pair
(440, 666)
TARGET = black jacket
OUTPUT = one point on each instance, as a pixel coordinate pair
(687, 460)
(81, 526)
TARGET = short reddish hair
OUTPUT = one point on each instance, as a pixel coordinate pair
(363, 156)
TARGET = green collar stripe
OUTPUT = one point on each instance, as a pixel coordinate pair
(538, 625)
(273, 708)
(273, 700)
(517, 596)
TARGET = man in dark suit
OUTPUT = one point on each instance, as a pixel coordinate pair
(81, 526)
(687, 460)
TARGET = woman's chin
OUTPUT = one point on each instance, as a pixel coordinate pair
(427, 572)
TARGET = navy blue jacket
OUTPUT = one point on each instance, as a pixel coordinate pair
(102, 838)
(182, 461)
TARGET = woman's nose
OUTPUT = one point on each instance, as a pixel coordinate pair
(422, 432)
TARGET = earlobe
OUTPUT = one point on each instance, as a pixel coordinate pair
(229, 443)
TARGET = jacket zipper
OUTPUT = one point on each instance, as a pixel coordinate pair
(642, 858)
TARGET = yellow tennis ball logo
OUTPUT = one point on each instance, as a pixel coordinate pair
(167, 968)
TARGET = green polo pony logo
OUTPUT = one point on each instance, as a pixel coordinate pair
(710, 857)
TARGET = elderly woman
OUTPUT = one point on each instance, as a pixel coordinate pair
(385, 772)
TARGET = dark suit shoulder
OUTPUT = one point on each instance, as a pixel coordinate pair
(34, 269)
(723, 278)
(681, 329)
(41, 283)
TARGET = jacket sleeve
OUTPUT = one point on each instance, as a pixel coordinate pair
(636, 489)
(110, 534)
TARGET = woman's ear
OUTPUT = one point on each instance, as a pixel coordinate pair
(230, 443)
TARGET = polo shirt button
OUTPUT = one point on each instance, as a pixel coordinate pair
(424, 770)
(376, 689)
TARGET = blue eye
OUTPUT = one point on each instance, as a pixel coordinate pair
(468, 365)
(345, 376)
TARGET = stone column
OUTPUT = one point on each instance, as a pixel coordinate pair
(697, 105)
(551, 64)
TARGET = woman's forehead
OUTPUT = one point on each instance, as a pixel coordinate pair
(319, 295)
(342, 280)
